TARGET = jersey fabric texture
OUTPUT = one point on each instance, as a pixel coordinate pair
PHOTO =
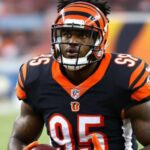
(73, 112)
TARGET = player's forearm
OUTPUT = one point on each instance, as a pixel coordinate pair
(15, 144)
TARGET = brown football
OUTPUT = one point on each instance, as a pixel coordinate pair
(43, 147)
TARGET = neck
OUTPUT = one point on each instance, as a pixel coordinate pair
(81, 75)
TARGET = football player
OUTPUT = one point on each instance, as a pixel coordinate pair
(81, 90)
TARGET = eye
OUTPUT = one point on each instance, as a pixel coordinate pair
(84, 34)
(66, 34)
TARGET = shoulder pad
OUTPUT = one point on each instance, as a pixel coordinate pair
(30, 72)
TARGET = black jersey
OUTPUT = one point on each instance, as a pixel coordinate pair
(73, 112)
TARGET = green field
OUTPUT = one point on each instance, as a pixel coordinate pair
(6, 127)
(6, 124)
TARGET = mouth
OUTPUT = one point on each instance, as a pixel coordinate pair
(72, 53)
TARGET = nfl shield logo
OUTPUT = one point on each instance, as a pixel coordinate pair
(75, 93)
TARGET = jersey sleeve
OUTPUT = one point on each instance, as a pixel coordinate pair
(20, 86)
(29, 75)
(139, 83)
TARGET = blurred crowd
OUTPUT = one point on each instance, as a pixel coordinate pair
(23, 6)
(8, 7)
(130, 5)
(25, 27)
(22, 29)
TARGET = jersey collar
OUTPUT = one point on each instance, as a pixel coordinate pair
(75, 91)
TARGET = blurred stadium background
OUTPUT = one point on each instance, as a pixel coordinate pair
(25, 32)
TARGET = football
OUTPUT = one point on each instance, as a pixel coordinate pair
(43, 147)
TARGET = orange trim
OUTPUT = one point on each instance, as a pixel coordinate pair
(141, 80)
(82, 9)
(96, 142)
(24, 71)
(88, 83)
(33, 145)
(141, 93)
(20, 93)
(136, 72)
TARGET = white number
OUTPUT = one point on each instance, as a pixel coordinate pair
(43, 59)
(58, 123)
(87, 122)
(126, 59)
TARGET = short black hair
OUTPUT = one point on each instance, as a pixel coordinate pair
(102, 5)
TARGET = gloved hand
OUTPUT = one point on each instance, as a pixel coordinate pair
(31, 145)
(96, 143)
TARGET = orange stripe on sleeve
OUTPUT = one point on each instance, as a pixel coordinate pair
(20, 85)
(143, 78)
(24, 71)
(141, 93)
(20, 93)
(136, 72)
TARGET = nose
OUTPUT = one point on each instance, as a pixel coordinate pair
(74, 39)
